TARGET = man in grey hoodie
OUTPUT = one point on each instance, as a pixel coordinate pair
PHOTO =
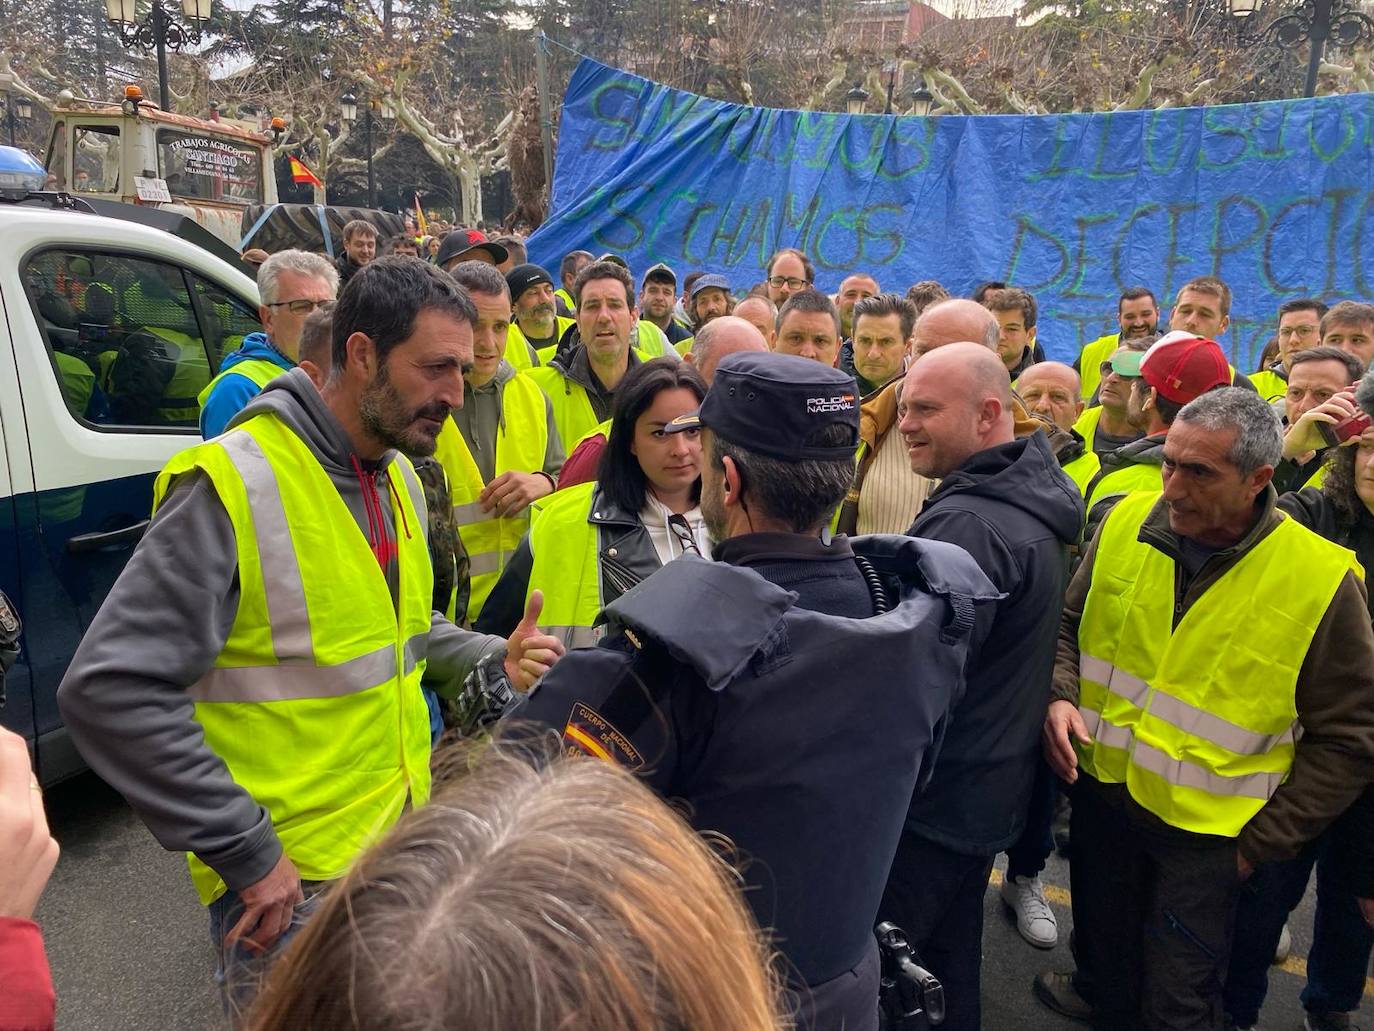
(135, 695)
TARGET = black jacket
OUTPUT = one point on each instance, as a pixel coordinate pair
(1014, 510)
(796, 733)
(347, 268)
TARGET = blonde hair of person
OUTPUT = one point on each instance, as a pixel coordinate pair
(536, 895)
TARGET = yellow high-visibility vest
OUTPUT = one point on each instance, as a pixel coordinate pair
(567, 300)
(517, 349)
(572, 408)
(1091, 359)
(314, 702)
(1082, 469)
(522, 440)
(545, 354)
(1086, 424)
(564, 549)
(1130, 479)
(1271, 386)
(1196, 722)
(259, 371)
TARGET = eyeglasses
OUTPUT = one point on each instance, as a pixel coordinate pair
(792, 282)
(683, 533)
(1300, 331)
(300, 306)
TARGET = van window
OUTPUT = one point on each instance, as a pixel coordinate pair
(208, 168)
(95, 159)
(227, 320)
(124, 336)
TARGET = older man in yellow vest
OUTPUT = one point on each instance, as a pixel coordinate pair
(1213, 704)
(252, 683)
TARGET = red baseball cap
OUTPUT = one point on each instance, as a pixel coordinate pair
(1182, 366)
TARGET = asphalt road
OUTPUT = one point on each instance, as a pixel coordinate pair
(128, 941)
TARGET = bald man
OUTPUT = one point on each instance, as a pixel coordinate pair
(950, 321)
(1004, 500)
(723, 335)
(762, 314)
(1051, 391)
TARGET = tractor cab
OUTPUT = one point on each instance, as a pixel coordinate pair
(135, 153)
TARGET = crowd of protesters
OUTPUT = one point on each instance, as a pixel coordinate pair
(668, 519)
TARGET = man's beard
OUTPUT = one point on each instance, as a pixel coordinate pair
(541, 312)
(713, 509)
(386, 416)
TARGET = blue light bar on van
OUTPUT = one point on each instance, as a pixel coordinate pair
(19, 171)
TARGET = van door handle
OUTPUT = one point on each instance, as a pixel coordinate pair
(124, 536)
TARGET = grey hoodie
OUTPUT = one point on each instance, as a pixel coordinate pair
(166, 620)
(484, 414)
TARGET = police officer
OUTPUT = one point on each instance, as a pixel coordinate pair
(771, 689)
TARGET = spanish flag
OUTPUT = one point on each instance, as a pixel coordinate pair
(301, 174)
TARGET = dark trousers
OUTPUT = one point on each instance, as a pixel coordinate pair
(848, 1002)
(1027, 857)
(1341, 940)
(1152, 917)
(936, 895)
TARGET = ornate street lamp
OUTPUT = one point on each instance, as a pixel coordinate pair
(16, 106)
(159, 31)
(922, 100)
(348, 107)
(1313, 22)
(855, 99)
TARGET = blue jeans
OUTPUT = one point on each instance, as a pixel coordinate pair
(239, 973)
(1341, 940)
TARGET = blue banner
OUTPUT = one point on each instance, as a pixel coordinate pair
(1274, 198)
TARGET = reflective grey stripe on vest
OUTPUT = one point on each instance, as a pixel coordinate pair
(1183, 715)
(486, 562)
(281, 572)
(417, 494)
(574, 636)
(1179, 771)
(465, 515)
(1190, 775)
(296, 681)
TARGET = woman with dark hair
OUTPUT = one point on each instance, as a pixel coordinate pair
(590, 543)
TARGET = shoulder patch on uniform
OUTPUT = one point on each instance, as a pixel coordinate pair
(587, 732)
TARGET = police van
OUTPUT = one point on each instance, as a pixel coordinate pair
(108, 331)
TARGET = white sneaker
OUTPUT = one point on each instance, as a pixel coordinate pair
(1025, 896)
(1285, 946)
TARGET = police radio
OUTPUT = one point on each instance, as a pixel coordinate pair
(910, 997)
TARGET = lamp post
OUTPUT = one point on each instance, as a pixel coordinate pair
(855, 99)
(16, 105)
(922, 100)
(1313, 21)
(348, 107)
(890, 67)
(160, 30)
